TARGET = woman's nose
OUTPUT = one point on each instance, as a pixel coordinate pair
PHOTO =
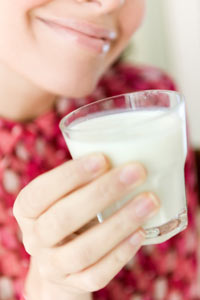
(106, 6)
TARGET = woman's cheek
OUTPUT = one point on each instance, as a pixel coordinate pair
(29, 4)
(131, 16)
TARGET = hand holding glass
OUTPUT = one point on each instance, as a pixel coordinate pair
(148, 127)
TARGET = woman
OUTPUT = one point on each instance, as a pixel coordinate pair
(52, 55)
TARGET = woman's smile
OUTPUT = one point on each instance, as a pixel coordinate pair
(97, 39)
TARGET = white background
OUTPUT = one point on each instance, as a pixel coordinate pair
(170, 39)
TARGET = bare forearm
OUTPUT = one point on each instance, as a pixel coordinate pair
(36, 288)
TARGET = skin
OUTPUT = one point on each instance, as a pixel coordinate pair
(93, 253)
(36, 67)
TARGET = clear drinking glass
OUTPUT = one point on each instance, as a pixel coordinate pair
(148, 127)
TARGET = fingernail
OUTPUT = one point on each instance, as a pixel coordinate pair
(131, 174)
(94, 163)
(137, 238)
(145, 205)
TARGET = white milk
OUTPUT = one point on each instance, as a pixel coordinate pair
(155, 138)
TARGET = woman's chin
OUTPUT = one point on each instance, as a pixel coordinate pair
(71, 89)
(78, 92)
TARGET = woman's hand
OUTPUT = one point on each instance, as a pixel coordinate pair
(56, 213)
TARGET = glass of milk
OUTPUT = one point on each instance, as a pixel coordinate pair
(148, 127)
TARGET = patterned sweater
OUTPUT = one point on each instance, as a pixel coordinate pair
(160, 272)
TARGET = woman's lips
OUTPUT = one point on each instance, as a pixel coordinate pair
(90, 36)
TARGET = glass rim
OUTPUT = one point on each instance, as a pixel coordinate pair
(67, 129)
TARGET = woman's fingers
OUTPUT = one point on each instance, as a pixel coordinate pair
(98, 276)
(47, 188)
(95, 243)
(74, 211)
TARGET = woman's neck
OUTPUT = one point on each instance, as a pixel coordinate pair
(20, 100)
